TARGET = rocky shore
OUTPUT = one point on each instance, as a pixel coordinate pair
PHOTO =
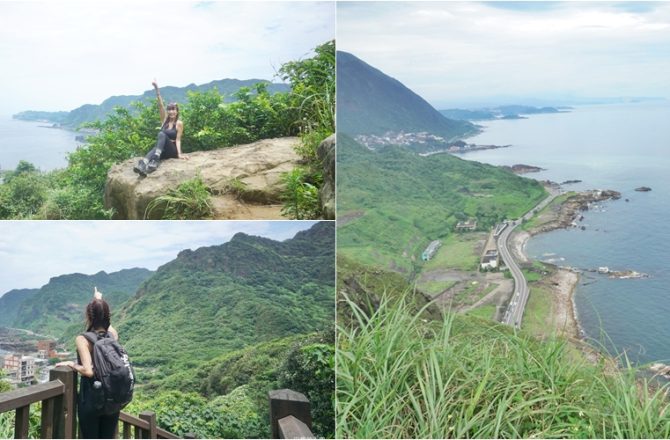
(522, 168)
(570, 210)
(563, 281)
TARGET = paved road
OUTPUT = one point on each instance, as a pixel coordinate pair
(517, 304)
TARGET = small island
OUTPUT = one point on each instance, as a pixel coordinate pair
(643, 189)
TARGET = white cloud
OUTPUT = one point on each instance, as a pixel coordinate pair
(448, 51)
(58, 55)
(31, 252)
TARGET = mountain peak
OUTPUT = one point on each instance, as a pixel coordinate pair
(369, 102)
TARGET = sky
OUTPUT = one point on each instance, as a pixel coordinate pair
(32, 252)
(475, 52)
(59, 55)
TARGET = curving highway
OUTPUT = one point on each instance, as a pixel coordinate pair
(517, 303)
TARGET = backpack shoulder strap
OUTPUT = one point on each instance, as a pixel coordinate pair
(91, 337)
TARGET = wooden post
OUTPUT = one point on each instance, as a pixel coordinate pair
(126, 430)
(22, 422)
(288, 403)
(65, 408)
(150, 417)
(47, 426)
(290, 427)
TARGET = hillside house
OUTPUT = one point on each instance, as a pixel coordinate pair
(468, 225)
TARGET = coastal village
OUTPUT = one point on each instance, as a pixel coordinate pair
(29, 363)
(422, 140)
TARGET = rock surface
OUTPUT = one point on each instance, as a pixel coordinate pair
(523, 169)
(326, 154)
(245, 180)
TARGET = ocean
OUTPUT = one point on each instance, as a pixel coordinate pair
(619, 147)
(35, 142)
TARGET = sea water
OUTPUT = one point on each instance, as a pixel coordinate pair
(619, 147)
(35, 142)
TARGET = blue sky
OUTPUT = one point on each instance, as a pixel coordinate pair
(31, 252)
(58, 55)
(460, 52)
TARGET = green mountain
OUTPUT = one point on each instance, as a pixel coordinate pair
(393, 202)
(92, 112)
(370, 102)
(222, 298)
(60, 303)
(10, 303)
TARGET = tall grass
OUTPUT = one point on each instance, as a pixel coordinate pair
(401, 376)
(191, 200)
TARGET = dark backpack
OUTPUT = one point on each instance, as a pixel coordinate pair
(114, 378)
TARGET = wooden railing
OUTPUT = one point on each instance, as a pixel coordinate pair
(59, 414)
(290, 412)
(290, 415)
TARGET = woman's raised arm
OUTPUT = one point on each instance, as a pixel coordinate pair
(161, 107)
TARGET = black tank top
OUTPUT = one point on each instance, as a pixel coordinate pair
(170, 132)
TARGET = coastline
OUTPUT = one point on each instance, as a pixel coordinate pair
(563, 283)
(564, 318)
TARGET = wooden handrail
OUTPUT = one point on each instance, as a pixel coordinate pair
(58, 397)
(289, 411)
(11, 400)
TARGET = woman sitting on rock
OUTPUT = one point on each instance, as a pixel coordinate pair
(168, 144)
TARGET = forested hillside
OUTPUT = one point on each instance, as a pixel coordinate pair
(10, 302)
(393, 202)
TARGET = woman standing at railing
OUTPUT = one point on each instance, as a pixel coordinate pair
(93, 421)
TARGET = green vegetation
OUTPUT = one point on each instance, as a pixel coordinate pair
(400, 376)
(190, 200)
(407, 200)
(211, 332)
(435, 287)
(301, 199)
(212, 122)
(484, 312)
(91, 113)
(223, 298)
(458, 251)
(9, 304)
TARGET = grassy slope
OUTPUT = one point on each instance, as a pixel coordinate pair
(402, 376)
(407, 200)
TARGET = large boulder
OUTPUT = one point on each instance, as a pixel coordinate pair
(245, 180)
(326, 154)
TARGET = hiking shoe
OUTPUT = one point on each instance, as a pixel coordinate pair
(152, 166)
(141, 168)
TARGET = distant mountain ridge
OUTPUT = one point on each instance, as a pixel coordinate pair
(499, 112)
(369, 102)
(93, 112)
(61, 302)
